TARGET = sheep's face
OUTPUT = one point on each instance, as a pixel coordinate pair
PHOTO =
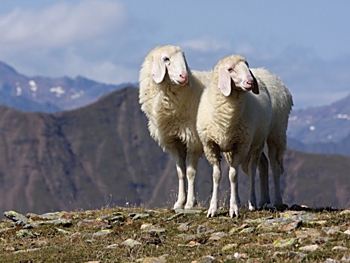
(235, 73)
(169, 64)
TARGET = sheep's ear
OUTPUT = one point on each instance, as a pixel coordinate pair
(255, 87)
(158, 70)
(224, 81)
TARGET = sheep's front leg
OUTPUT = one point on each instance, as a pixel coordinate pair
(212, 152)
(213, 208)
(191, 175)
(234, 198)
(179, 156)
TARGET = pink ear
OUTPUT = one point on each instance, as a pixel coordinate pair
(224, 81)
(255, 88)
(158, 70)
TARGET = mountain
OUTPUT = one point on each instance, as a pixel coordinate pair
(102, 155)
(42, 94)
(326, 124)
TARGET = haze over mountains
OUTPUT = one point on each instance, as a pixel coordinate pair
(41, 94)
(102, 154)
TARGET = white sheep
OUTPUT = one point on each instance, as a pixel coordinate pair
(282, 102)
(236, 122)
(169, 96)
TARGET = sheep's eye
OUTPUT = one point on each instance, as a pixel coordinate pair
(230, 70)
(166, 59)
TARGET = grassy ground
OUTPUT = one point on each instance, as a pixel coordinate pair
(162, 235)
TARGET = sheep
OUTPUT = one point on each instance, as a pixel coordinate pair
(282, 102)
(236, 122)
(169, 96)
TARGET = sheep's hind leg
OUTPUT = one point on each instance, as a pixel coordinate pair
(264, 180)
(191, 175)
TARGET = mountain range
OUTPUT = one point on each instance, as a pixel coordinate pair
(102, 155)
(324, 129)
(43, 94)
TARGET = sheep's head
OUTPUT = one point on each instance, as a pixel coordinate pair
(169, 64)
(233, 72)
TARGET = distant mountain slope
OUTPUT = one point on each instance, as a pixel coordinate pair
(44, 94)
(341, 147)
(102, 154)
(322, 124)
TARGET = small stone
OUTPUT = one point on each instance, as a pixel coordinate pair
(203, 229)
(229, 247)
(331, 230)
(347, 232)
(339, 248)
(146, 226)
(346, 257)
(331, 260)
(284, 242)
(291, 226)
(62, 231)
(161, 259)
(247, 230)
(237, 255)
(112, 246)
(309, 248)
(103, 232)
(131, 243)
(345, 212)
(183, 227)
(217, 235)
(24, 233)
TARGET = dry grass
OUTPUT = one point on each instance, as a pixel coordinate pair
(184, 245)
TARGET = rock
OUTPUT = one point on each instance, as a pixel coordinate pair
(203, 229)
(161, 259)
(229, 247)
(189, 211)
(183, 227)
(284, 242)
(112, 246)
(62, 231)
(24, 233)
(340, 248)
(217, 235)
(331, 230)
(291, 226)
(151, 238)
(103, 232)
(131, 243)
(16, 217)
(308, 232)
(346, 257)
(94, 223)
(247, 230)
(139, 216)
(309, 248)
(345, 212)
(347, 232)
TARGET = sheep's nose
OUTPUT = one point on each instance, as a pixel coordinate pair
(183, 78)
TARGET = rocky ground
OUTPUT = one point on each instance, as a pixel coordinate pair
(163, 235)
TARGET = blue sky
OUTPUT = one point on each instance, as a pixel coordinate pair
(307, 43)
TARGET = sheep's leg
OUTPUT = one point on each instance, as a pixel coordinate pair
(264, 180)
(179, 156)
(277, 169)
(214, 198)
(234, 199)
(252, 172)
(212, 152)
(191, 175)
